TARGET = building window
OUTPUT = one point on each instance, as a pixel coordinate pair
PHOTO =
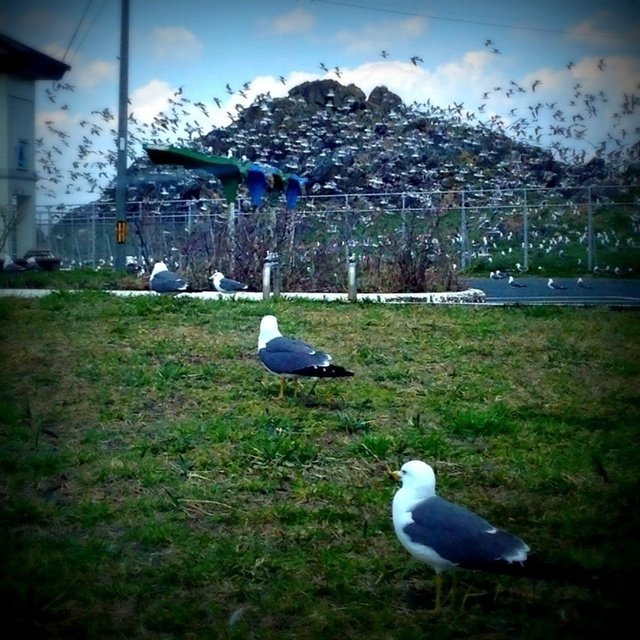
(22, 160)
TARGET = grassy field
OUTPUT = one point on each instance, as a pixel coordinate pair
(153, 487)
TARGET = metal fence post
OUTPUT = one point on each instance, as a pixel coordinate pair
(266, 277)
(590, 239)
(93, 235)
(403, 214)
(276, 274)
(231, 233)
(463, 231)
(351, 272)
(525, 232)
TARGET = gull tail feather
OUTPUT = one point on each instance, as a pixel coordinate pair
(328, 371)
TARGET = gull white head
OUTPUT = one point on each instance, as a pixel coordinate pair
(216, 277)
(158, 267)
(268, 331)
(418, 478)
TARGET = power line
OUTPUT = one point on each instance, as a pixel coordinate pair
(483, 23)
(75, 33)
(93, 22)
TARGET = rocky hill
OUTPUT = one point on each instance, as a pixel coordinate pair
(342, 141)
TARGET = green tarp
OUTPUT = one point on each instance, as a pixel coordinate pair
(258, 178)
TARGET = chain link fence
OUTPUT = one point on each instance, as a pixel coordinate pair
(413, 241)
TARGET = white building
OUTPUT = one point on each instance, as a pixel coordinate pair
(20, 68)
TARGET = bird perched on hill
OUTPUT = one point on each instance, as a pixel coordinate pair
(226, 285)
(164, 281)
(554, 285)
(290, 359)
(446, 535)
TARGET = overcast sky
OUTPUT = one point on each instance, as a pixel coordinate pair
(464, 52)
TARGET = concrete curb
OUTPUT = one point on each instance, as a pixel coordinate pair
(450, 297)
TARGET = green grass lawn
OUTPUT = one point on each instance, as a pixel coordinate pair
(152, 486)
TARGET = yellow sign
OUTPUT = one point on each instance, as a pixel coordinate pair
(121, 231)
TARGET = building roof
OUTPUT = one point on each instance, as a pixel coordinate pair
(18, 59)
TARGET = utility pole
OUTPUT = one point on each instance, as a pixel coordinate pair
(121, 161)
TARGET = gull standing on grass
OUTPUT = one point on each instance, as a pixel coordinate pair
(290, 359)
(446, 535)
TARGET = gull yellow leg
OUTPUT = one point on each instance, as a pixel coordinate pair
(438, 583)
(281, 396)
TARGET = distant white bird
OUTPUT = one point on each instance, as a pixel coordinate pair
(226, 285)
(10, 266)
(497, 275)
(133, 267)
(446, 535)
(581, 283)
(32, 264)
(554, 285)
(164, 281)
(289, 358)
(514, 283)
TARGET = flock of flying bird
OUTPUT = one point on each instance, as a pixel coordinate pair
(557, 126)
(420, 149)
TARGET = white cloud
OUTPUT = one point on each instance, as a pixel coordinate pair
(176, 43)
(56, 118)
(372, 38)
(94, 73)
(297, 21)
(148, 101)
(606, 29)
(468, 76)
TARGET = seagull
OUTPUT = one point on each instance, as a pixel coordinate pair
(289, 358)
(446, 535)
(10, 266)
(164, 281)
(226, 285)
(133, 267)
(32, 264)
(554, 285)
(497, 275)
(581, 283)
(514, 283)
